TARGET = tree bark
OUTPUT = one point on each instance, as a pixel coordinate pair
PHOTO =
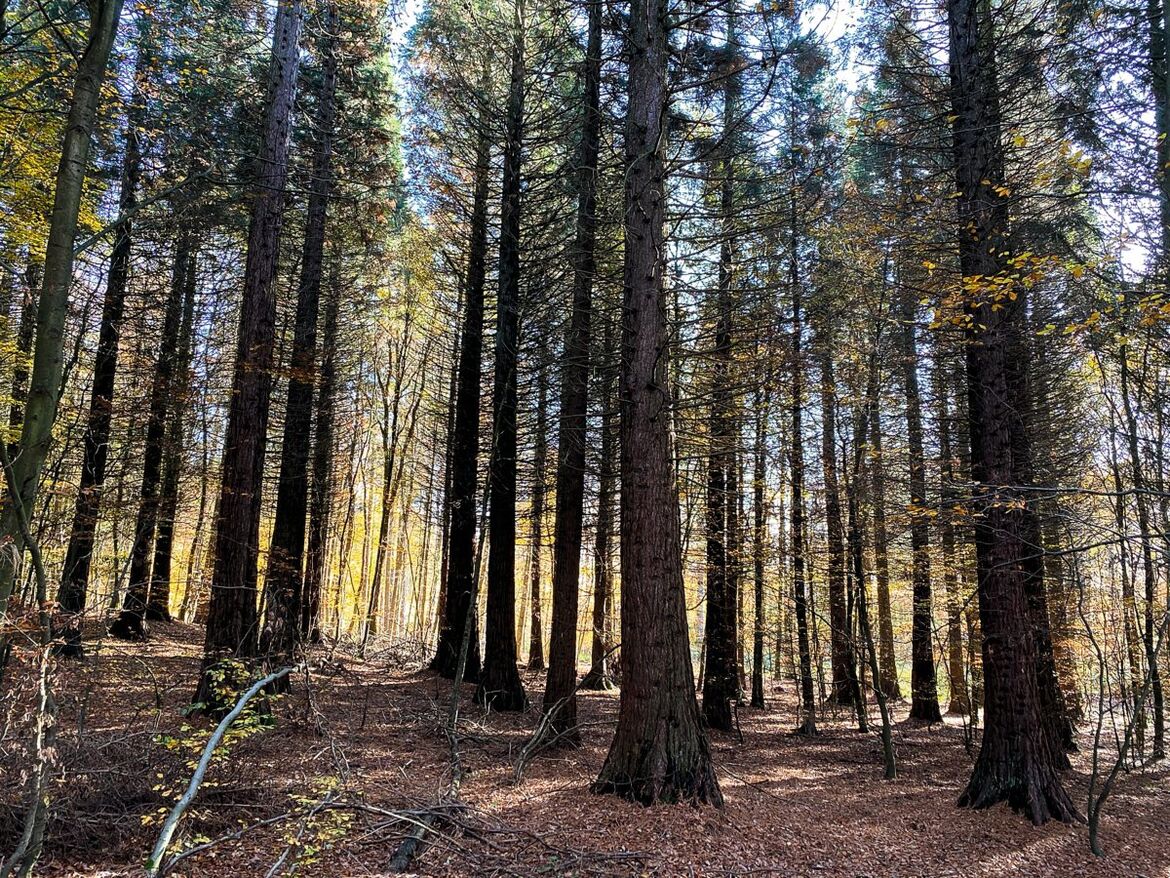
(232, 610)
(131, 622)
(959, 697)
(560, 686)
(1016, 760)
(923, 681)
(465, 437)
(660, 751)
(320, 498)
(158, 603)
(842, 691)
(39, 410)
(499, 684)
(536, 626)
(96, 441)
(759, 533)
(285, 583)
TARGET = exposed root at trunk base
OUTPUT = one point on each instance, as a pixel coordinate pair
(1029, 790)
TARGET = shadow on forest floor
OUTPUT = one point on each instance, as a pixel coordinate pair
(370, 740)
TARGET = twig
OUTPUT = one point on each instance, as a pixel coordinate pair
(172, 821)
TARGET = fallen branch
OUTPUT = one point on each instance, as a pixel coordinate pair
(172, 822)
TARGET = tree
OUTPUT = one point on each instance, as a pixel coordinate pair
(232, 611)
(96, 441)
(560, 693)
(284, 584)
(499, 683)
(659, 752)
(1016, 761)
(44, 384)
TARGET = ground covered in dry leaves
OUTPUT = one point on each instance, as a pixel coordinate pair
(358, 759)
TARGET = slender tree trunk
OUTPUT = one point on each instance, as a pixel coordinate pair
(131, 622)
(1016, 760)
(320, 497)
(1149, 576)
(284, 587)
(232, 611)
(759, 534)
(956, 673)
(465, 436)
(660, 751)
(923, 682)
(808, 723)
(536, 626)
(96, 440)
(888, 679)
(834, 531)
(39, 406)
(158, 605)
(560, 685)
(602, 666)
(499, 684)
(24, 342)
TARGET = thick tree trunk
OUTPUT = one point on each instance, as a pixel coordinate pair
(1016, 761)
(96, 441)
(660, 751)
(923, 682)
(560, 686)
(499, 684)
(232, 611)
(284, 587)
(39, 409)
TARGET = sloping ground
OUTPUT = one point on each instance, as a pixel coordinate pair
(361, 744)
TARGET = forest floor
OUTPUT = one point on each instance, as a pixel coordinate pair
(360, 753)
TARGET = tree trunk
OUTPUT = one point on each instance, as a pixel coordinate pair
(808, 723)
(601, 674)
(759, 533)
(1149, 576)
(320, 505)
(959, 698)
(39, 410)
(24, 342)
(285, 584)
(887, 663)
(1016, 760)
(842, 692)
(923, 683)
(465, 437)
(131, 622)
(96, 440)
(536, 627)
(561, 683)
(660, 751)
(158, 604)
(232, 611)
(499, 684)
